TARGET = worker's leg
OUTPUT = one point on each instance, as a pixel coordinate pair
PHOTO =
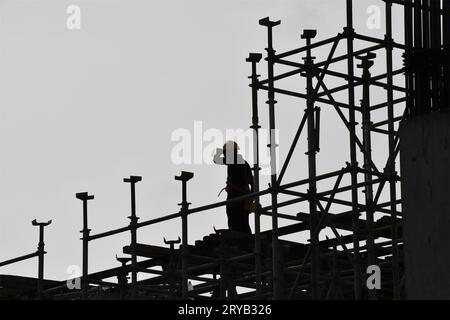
(242, 218)
(238, 218)
(234, 222)
(245, 223)
(231, 219)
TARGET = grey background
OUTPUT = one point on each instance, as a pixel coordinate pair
(81, 110)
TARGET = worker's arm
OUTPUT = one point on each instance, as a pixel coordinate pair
(218, 157)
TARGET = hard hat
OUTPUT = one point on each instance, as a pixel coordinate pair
(230, 145)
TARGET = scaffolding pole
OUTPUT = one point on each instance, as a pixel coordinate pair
(278, 290)
(349, 32)
(254, 58)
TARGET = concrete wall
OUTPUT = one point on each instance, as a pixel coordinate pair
(425, 172)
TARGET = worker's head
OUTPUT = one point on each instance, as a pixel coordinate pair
(230, 150)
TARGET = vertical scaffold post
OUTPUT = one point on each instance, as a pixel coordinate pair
(41, 252)
(419, 105)
(350, 35)
(132, 180)
(446, 54)
(409, 79)
(436, 60)
(313, 148)
(391, 165)
(184, 178)
(85, 197)
(122, 279)
(254, 58)
(172, 266)
(276, 258)
(366, 64)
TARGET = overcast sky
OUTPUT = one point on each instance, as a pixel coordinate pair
(82, 109)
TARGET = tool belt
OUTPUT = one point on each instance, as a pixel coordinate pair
(249, 205)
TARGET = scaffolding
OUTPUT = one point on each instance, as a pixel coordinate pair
(330, 268)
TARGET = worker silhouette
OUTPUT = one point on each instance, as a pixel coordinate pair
(239, 183)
